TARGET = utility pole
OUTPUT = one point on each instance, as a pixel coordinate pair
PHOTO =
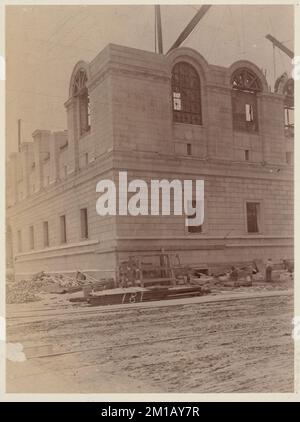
(158, 29)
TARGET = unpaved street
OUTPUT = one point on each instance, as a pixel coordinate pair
(240, 345)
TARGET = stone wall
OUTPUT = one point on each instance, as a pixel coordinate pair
(132, 129)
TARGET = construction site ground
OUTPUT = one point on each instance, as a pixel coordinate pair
(233, 341)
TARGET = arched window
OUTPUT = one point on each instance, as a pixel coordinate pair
(285, 86)
(186, 94)
(288, 92)
(81, 92)
(245, 85)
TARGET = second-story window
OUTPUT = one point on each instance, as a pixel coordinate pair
(81, 92)
(245, 86)
(288, 92)
(186, 94)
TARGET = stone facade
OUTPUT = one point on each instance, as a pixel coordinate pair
(131, 129)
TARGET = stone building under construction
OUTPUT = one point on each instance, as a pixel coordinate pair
(156, 116)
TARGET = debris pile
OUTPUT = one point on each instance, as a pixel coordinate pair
(61, 280)
(240, 276)
(25, 290)
(252, 276)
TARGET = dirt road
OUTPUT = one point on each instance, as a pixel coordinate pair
(241, 345)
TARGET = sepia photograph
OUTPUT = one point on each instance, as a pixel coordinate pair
(149, 198)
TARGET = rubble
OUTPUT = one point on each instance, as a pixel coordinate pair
(42, 282)
(25, 290)
(202, 280)
(246, 276)
(239, 277)
(258, 277)
(285, 276)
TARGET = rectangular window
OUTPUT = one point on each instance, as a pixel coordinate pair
(46, 233)
(86, 159)
(246, 155)
(189, 149)
(66, 171)
(20, 248)
(84, 223)
(63, 229)
(253, 211)
(192, 214)
(31, 237)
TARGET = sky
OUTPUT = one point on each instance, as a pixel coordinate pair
(43, 44)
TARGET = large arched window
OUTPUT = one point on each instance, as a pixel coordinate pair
(81, 92)
(285, 86)
(186, 94)
(288, 92)
(245, 85)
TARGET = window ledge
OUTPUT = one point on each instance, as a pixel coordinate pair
(60, 247)
(202, 126)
